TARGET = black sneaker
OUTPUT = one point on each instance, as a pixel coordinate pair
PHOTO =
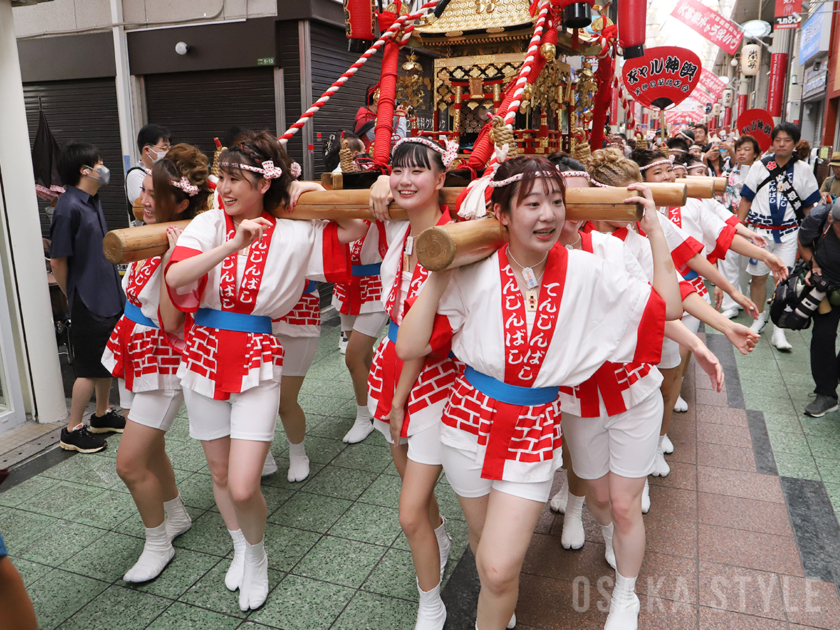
(81, 440)
(111, 422)
(821, 406)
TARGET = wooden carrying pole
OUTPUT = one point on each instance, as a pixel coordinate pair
(128, 245)
(718, 184)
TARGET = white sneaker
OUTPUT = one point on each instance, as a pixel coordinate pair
(759, 324)
(730, 313)
(558, 501)
(646, 498)
(573, 535)
(780, 341)
(660, 466)
(269, 467)
(667, 445)
(680, 406)
(342, 343)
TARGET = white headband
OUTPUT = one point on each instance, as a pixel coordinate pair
(654, 163)
(268, 170)
(449, 154)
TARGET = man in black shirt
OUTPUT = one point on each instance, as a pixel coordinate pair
(92, 287)
(819, 243)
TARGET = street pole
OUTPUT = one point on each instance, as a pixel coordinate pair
(123, 84)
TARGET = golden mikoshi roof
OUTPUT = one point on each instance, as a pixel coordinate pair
(492, 16)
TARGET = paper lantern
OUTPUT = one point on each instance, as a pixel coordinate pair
(716, 109)
(728, 97)
(631, 27)
(750, 59)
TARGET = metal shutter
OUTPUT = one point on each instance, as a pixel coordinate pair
(198, 106)
(83, 110)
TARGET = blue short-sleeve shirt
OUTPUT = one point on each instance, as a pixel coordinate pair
(77, 231)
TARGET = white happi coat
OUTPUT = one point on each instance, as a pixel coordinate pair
(588, 313)
(363, 294)
(222, 362)
(146, 358)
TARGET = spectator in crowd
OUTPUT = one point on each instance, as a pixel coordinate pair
(677, 146)
(831, 186)
(716, 160)
(779, 190)
(819, 243)
(701, 137)
(803, 151)
(92, 287)
(153, 143)
(366, 119)
(695, 150)
(734, 266)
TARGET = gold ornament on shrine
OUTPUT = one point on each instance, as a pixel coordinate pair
(549, 51)
(410, 86)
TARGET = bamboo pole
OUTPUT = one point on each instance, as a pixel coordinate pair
(719, 182)
(128, 245)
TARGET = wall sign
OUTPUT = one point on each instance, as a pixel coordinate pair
(784, 13)
(664, 77)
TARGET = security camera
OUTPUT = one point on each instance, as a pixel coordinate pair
(182, 48)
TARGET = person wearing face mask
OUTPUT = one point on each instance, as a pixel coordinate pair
(153, 143)
(92, 287)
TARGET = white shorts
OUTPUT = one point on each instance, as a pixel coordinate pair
(463, 473)
(670, 358)
(424, 447)
(370, 324)
(786, 251)
(251, 415)
(298, 354)
(155, 409)
(624, 444)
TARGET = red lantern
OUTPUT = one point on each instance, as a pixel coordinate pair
(631, 27)
(360, 23)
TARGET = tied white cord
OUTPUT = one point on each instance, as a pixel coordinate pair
(654, 163)
(501, 183)
(531, 280)
(268, 170)
(448, 155)
(474, 205)
(183, 183)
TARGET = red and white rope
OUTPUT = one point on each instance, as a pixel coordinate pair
(387, 35)
(522, 78)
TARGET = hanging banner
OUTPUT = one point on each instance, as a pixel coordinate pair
(784, 13)
(757, 123)
(712, 25)
(776, 88)
(702, 96)
(665, 76)
(711, 82)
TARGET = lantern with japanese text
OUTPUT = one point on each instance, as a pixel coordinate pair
(750, 59)
(728, 97)
(716, 109)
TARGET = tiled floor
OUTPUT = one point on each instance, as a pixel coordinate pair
(723, 550)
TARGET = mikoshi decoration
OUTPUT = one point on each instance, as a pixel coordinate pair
(631, 27)
(664, 77)
(360, 23)
(757, 123)
(577, 14)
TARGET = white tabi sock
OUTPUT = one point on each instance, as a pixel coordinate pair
(660, 466)
(573, 535)
(609, 552)
(646, 498)
(680, 406)
(157, 553)
(177, 520)
(298, 462)
(444, 541)
(361, 428)
(233, 577)
(558, 501)
(512, 623)
(254, 587)
(431, 613)
(270, 465)
(624, 606)
(667, 445)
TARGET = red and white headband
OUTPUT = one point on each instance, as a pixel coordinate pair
(501, 183)
(654, 163)
(680, 166)
(268, 170)
(449, 154)
(183, 183)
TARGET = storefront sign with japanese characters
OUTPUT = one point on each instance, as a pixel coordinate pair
(664, 77)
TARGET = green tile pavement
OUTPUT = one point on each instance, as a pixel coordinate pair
(338, 558)
(780, 385)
